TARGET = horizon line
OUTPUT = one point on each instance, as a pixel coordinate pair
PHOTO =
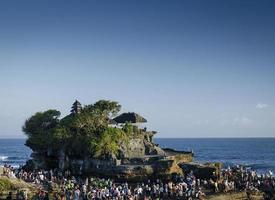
(256, 137)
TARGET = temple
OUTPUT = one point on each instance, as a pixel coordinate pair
(76, 107)
(137, 158)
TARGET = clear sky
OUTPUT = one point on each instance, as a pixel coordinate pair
(191, 68)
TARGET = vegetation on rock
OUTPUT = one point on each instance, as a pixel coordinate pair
(83, 133)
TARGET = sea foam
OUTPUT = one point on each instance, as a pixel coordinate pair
(3, 158)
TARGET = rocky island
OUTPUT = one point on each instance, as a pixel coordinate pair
(95, 140)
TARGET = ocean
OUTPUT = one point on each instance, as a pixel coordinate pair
(13, 152)
(257, 153)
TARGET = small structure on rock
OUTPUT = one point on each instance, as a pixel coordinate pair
(76, 107)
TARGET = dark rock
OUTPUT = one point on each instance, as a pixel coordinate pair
(202, 171)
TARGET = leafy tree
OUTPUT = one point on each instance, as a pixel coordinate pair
(59, 137)
(41, 122)
(104, 107)
(39, 127)
(108, 142)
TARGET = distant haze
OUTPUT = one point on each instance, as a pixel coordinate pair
(191, 68)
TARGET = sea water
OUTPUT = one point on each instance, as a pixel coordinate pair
(257, 153)
(13, 152)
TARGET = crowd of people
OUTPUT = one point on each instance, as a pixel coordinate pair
(64, 186)
(245, 179)
(8, 171)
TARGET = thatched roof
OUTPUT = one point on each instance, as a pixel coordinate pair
(129, 117)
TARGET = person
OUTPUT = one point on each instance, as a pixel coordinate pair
(9, 197)
(46, 196)
(18, 196)
(200, 195)
(248, 194)
(216, 186)
(76, 193)
(270, 173)
(42, 194)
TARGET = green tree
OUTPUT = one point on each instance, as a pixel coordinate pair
(104, 107)
(109, 141)
(41, 122)
(39, 128)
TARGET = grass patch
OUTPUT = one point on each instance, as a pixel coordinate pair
(6, 184)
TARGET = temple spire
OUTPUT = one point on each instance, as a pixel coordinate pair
(76, 107)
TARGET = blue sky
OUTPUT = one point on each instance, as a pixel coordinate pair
(191, 68)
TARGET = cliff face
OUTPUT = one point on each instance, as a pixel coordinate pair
(139, 145)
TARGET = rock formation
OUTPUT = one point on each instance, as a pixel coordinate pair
(133, 157)
(204, 171)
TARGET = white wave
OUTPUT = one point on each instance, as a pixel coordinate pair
(3, 158)
(14, 166)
